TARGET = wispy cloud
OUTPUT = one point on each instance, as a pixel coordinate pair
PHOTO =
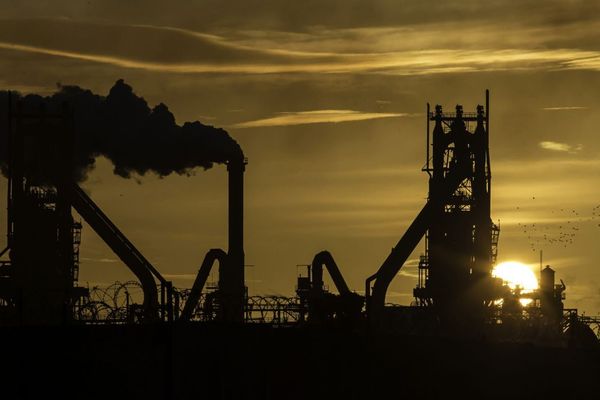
(192, 67)
(565, 108)
(561, 147)
(421, 62)
(316, 117)
(25, 89)
(400, 50)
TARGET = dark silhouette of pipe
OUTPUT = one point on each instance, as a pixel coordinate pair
(394, 262)
(122, 247)
(325, 258)
(203, 273)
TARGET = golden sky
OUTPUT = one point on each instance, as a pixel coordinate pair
(327, 99)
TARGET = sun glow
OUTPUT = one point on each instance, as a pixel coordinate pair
(516, 274)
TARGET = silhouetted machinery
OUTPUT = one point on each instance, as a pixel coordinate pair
(228, 303)
(38, 284)
(551, 296)
(455, 272)
(455, 291)
(322, 306)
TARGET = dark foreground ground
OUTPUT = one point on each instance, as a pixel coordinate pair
(257, 362)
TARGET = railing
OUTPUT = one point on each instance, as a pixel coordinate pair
(452, 115)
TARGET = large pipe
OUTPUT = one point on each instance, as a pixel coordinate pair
(122, 247)
(203, 273)
(325, 258)
(394, 262)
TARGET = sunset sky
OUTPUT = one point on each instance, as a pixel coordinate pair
(327, 99)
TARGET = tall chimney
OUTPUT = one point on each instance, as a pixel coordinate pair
(231, 282)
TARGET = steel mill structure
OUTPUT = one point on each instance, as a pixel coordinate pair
(456, 294)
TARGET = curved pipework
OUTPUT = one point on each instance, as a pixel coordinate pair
(394, 262)
(232, 287)
(325, 258)
(209, 260)
(122, 247)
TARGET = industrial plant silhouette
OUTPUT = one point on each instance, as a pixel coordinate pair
(466, 335)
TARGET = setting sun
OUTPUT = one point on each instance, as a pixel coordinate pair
(516, 274)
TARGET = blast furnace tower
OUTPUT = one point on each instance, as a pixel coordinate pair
(461, 242)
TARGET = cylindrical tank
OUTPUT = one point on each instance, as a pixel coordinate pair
(547, 280)
(551, 304)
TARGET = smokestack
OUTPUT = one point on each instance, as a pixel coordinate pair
(138, 139)
(231, 278)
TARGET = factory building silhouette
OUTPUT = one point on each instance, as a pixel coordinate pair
(464, 329)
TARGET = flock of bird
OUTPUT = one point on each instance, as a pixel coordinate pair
(558, 233)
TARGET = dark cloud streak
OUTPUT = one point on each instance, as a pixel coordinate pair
(404, 50)
(300, 16)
